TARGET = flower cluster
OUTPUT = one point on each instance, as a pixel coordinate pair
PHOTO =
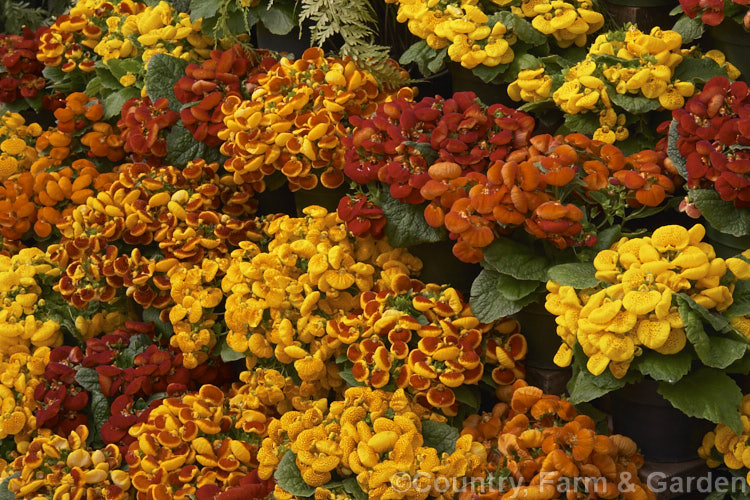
(180, 211)
(712, 131)
(370, 435)
(20, 373)
(17, 144)
(424, 339)
(296, 119)
(279, 300)
(635, 311)
(144, 126)
(22, 73)
(713, 12)
(362, 217)
(476, 37)
(58, 466)
(226, 73)
(722, 446)
(186, 447)
(545, 449)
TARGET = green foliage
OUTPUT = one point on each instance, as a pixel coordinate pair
(579, 275)
(721, 215)
(288, 476)
(698, 70)
(516, 259)
(161, 75)
(668, 368)
(440, 436)
(673, 151)
(690, 29)
(489, 302)
(405, 223)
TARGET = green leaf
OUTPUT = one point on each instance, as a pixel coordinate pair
(162, 73)
(741, 300)
(423, 56)
(278, 18)
(520, 26)
(99, 409)
(405, 224)
(121, 67)
(516, 259)
(94, 87)
(438, 61)
(164, 329)
(715, 351)
(182, 147)
(468, 396)
(288, 476)
(351, 486)
(515, 289)
(673, 151)
(633, 104)
(114, 101)
(228, 354)
(722, 215)
(708, 394)
(607, 237)
(579, 275)
(203, 9)
(425, 149)
(689, 29)
(346, 374)
(88, 378)
(668, 368)
(5, 493)
(440, 436)
(717, 321)
(610, 60)
(698, 70)
(582, 387)
(584, 123)
(489, 73)
(138, 344)
(487, 301)
(106, 79)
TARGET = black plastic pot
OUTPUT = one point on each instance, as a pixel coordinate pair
(539, 327)
(440, 266)
(490, 93)
(645, 13)
(662, 432)
(734, 41)
(291, 42)
(726, 245)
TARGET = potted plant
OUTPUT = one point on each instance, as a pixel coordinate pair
(716, 179)
(665, 310)
(486, 44)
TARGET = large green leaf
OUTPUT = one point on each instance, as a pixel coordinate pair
(698, 70)
(114, 101)
(523, 29)
(741, 300)
(468, 396)
(585, 386)
(162, 73)
(405, 224)
(689, 29)
(722, 215)
(288, 476)
(440, 436)
(182, 147)
(516, 259)
(279, 18)
(203, 9)
(579, 275)
(584, 123)
(489, 74)
(515, 289)
(673, 151)
(427, 59)
(706, 393)
(487, 301)
(88, 378)
(121, 67)
(99, 409)
(632, 103)
(717, 321)
(351, 486)
(668, 368)
(716, 351)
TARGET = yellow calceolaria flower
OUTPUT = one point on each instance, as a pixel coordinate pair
(195, 292)
(20, 373)
(371, 435)
(17, 140)
(724, 443)
(637, 309)
(25, 279)
(280, 300)
(63, 467)
(473, 38)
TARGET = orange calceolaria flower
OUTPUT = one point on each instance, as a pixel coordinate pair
(550, 451)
